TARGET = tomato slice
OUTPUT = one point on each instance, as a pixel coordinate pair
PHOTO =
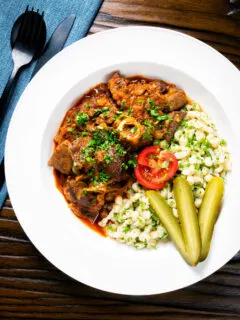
(145, 179)
(147, 154)
(155, 167)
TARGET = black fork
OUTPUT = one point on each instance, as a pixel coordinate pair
(28, 37)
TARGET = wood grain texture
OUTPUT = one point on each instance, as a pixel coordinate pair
(31, 288)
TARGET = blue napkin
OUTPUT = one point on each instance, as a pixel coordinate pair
(54, 12)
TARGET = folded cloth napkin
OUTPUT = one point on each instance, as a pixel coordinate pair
(54, 12)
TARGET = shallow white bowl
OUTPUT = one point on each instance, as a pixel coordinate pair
(205, 75)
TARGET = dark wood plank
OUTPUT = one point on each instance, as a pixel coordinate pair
(31, 288)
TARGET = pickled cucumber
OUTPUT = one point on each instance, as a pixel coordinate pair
(209, 211)
(168, 220)
(188, 218)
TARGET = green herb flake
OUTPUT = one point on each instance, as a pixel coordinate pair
(164, 236)
(164, 117)
(82, 118)
(108, 158)
(123, 103)
(147, 124)
(111, 228)
(126, 229)
(120, 151)
(151, 101)
(184, 123)
(223, 142)
(124, 166)
(130, 111)
(104, 177)
(154, 215)
(133, 130)
(208, 154)
(132, 163)
(147, 135)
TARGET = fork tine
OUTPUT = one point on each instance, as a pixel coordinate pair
(40, 27)
(22, 27)
(35, 24)
(28, 30)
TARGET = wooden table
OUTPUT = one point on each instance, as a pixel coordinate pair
(31, 288)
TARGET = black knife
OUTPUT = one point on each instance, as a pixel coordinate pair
(56, 42)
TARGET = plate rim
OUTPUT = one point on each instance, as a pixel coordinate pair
(43, 70)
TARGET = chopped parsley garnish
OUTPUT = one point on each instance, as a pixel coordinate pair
(164, 117)
(208, 154)
(130, 111)
(151, 101)
(88, 105)
(126, 229)
(141, 101)
(165, 235)
(156, 142)
(206, 145)
(155, 219)
(184, 123)
(133, 130)
(223, 142)
(82, 118)
(147, 135)
(190, 142)
(70, 129)
(132, 163)
(68, 120)
(120, 151)
(103, 140)
(153, 111)
(147, 124)
(111, 228)
(101, 111)
(108, 158)
(123, 103)
(197, 167)
(124, 166)
(104, 177)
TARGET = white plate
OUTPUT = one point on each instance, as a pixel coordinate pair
(202, 72)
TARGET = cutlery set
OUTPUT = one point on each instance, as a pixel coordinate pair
(28, 37)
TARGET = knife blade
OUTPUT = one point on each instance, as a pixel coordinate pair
(56, 42)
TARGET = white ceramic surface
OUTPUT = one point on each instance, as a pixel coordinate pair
(202, 72)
